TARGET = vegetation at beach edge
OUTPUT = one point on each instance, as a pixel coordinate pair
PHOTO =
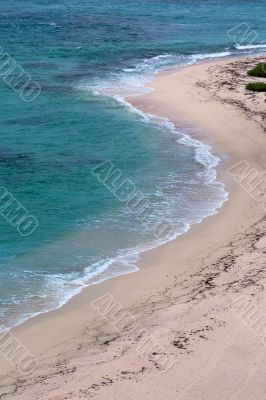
(259, 71)
(256, 86)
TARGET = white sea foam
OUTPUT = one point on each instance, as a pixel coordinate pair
(203, 152)
(132, 81)
(164, 61)
(250, 46)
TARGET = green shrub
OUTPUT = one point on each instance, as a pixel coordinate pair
(256, 87)
(259, 71)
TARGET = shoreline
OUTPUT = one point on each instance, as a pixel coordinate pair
(177, 259)
(203, 138)
(138, 251)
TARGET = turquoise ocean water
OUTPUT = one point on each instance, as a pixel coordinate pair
(87, 56)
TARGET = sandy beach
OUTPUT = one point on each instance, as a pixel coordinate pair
(181, 327)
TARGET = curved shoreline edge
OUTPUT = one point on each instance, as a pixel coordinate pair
(202, 154)
(177, 95)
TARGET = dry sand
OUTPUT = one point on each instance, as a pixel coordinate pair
(184, 293)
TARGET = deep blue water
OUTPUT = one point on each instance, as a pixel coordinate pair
(82, 54)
